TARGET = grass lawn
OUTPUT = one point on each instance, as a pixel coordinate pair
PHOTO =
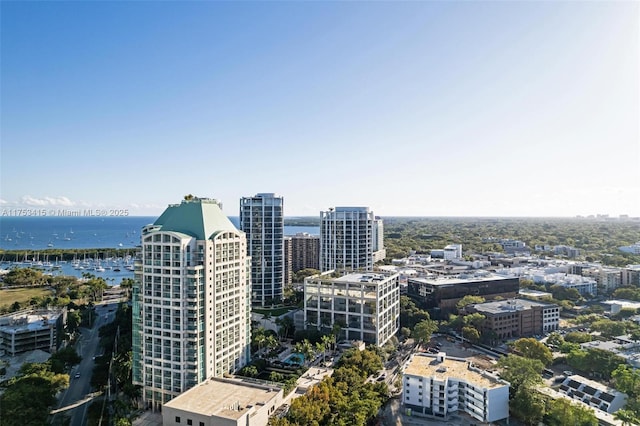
(22, 295)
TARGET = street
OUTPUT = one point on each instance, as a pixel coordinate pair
(87, 348)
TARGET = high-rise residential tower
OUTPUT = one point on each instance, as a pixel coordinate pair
(262, 219)
(351, 239)
(191, 300)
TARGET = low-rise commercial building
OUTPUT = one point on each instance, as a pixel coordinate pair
(437, 385)
(534, 294)
(444, 292)
(223, 402)
(517, 317)
(32, 329)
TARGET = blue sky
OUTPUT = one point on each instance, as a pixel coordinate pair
(411, 108)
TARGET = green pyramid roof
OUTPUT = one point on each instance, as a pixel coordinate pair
(199, 217)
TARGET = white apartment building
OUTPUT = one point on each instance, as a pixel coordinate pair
(452, 252)
(593, 394)
(351, 238)
(191, 301)
(584, 285)
(438, 386)
(365, 305)
(262, 220)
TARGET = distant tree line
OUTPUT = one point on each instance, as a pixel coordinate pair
(597, 240)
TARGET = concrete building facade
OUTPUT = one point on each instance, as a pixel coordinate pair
(365, 305)
(443, 292)
(31, 329)
(262, 220)
(351, 238)
(438, 386)
(517, 317)
(305, 251)
(191, 300)
(223, 402)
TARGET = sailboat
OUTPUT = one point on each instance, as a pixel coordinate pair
(66, 238)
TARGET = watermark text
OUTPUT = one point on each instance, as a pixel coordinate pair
(53, 212)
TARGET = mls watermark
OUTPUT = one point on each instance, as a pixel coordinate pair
(19, 212)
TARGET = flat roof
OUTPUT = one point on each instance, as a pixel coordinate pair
(29, 321)
(596, 385)
(370, 277)
(425, 365)
(510, 305)
(223, 398)
(623, 303)
(461, 279)
(534, 292)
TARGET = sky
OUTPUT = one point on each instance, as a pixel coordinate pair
(412, 108)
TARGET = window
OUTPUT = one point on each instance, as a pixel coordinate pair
(201, 424)
(177, 419)
(189, 422)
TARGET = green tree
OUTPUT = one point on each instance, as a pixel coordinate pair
(405, 332)
(561, 412)
(469, 299)
(470, 333)
(531, 348)
(249, 371)
(298, 277)
(73, 321)
(609, 328)
(286, 326)
(577, 337)
(627, 417)
(627, 380)
(520, 371)
(29, 396)
(475, 320)
(528, 405)
(424, 329)
(555, 339)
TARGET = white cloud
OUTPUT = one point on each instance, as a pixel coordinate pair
(3, 201)
(59, 201)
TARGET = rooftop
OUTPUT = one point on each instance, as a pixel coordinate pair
(426, 365)
(509, 305)
(29, 320)
(198, 217)
(530, 292)
(623, 303)
(363, 277)
(461, 279)
(223, 398)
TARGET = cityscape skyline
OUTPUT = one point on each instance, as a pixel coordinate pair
(499, 109)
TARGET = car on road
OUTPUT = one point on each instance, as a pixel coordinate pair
(77, 376)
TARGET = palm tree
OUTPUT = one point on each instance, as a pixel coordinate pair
(320, 347)
(627, 417)
(326, 341)
(260, 339)
(271, 342)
